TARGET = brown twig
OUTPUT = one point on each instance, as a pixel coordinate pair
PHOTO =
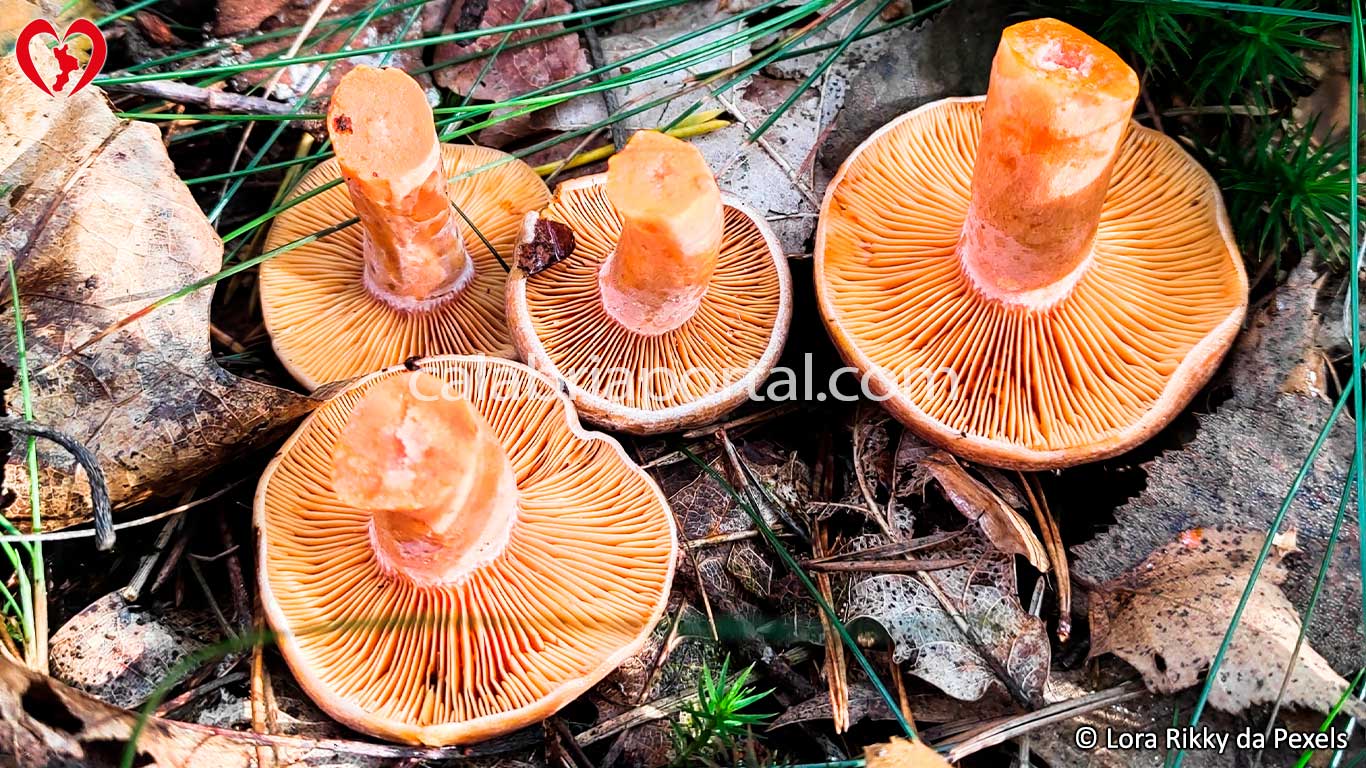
(224, 101)
(665, 648)
(836, 674)
(241, 599)
(171, 705)
(261, 696)
(888, 550)
(904, 565)
(1006, 728)
(1052, 539)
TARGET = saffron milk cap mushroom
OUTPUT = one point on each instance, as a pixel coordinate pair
(448, 556)
(413, 278)
(674, 303)
(1030, 279)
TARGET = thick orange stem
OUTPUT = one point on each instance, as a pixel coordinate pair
(1056, 111)
(671, 225)
(382, 130)
(435, 477)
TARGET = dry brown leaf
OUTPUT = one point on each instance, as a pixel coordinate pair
(517, 70)
(1167, 618)
(1243, 459)
(903, 753)
(98, 224)
(1001, 523)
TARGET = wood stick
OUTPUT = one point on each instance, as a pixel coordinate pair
(222, 101)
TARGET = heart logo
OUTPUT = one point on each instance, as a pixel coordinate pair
(66, 62)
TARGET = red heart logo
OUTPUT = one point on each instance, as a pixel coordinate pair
(67, 62)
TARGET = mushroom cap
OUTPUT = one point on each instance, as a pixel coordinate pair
(1091, 376)
(581, 583)
(702, 369)
(326, 326)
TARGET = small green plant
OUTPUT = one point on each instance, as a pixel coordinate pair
(1254, 55)
(1282, 188)
(709, 729)
(1153, 35)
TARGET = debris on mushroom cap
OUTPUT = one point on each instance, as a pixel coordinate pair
(412, 278)
(573, 587)
(669, 312)
(1016, 290)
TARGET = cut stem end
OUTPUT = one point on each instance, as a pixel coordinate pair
(672, 221)
(1056, 112)
(381, 126)
(434, 476)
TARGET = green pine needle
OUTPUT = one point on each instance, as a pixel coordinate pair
(1282, 189)
(1255, 55)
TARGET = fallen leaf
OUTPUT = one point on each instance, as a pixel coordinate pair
(517, 70)
(1002, 524)
(98, 225)
(1242, 461)
(119, 653)
(983, 593)
(1167, 618)
(234, 16)
(903, 753)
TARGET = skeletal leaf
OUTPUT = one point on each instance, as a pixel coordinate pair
(1167, 618)
(923, 633)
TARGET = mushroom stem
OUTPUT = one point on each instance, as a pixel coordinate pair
(671, 225)
(381, 127)
(1057, 108)
(435, 478)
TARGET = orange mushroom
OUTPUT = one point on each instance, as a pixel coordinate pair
(412, 279)
(674, 303)
(1031, 280)
(448, 556)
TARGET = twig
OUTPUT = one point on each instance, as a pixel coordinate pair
(208, 595)
(172, 558)
(1052, 539)
(887, 550)
(836, 674)
(610, 100)
(745, 480)
(171, 705)
(184, 93)
(241, 601)
(906, 565)
(133, 591)
(571, 744)
(102, 512)
(1007, 728)
(665, 648)
(873, 510)
(261, 696)
(85, 534)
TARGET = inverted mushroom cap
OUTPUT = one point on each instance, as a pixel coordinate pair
(412, 279)
(483, 563)
(648, 334)
(1018, 290)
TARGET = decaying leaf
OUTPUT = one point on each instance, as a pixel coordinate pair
(550, 243)
(1001, 523)
(517, 69)
(119, 652)
(1167, 617)
(903, 753)
(983, 593)
(97, 224)
(1241, 463)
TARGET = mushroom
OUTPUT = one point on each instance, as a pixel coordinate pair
(413, 279)
(1031, 280)
(672, 306)
(447, 556)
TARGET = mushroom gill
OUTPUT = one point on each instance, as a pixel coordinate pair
(482, 564)
(1030, 280)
